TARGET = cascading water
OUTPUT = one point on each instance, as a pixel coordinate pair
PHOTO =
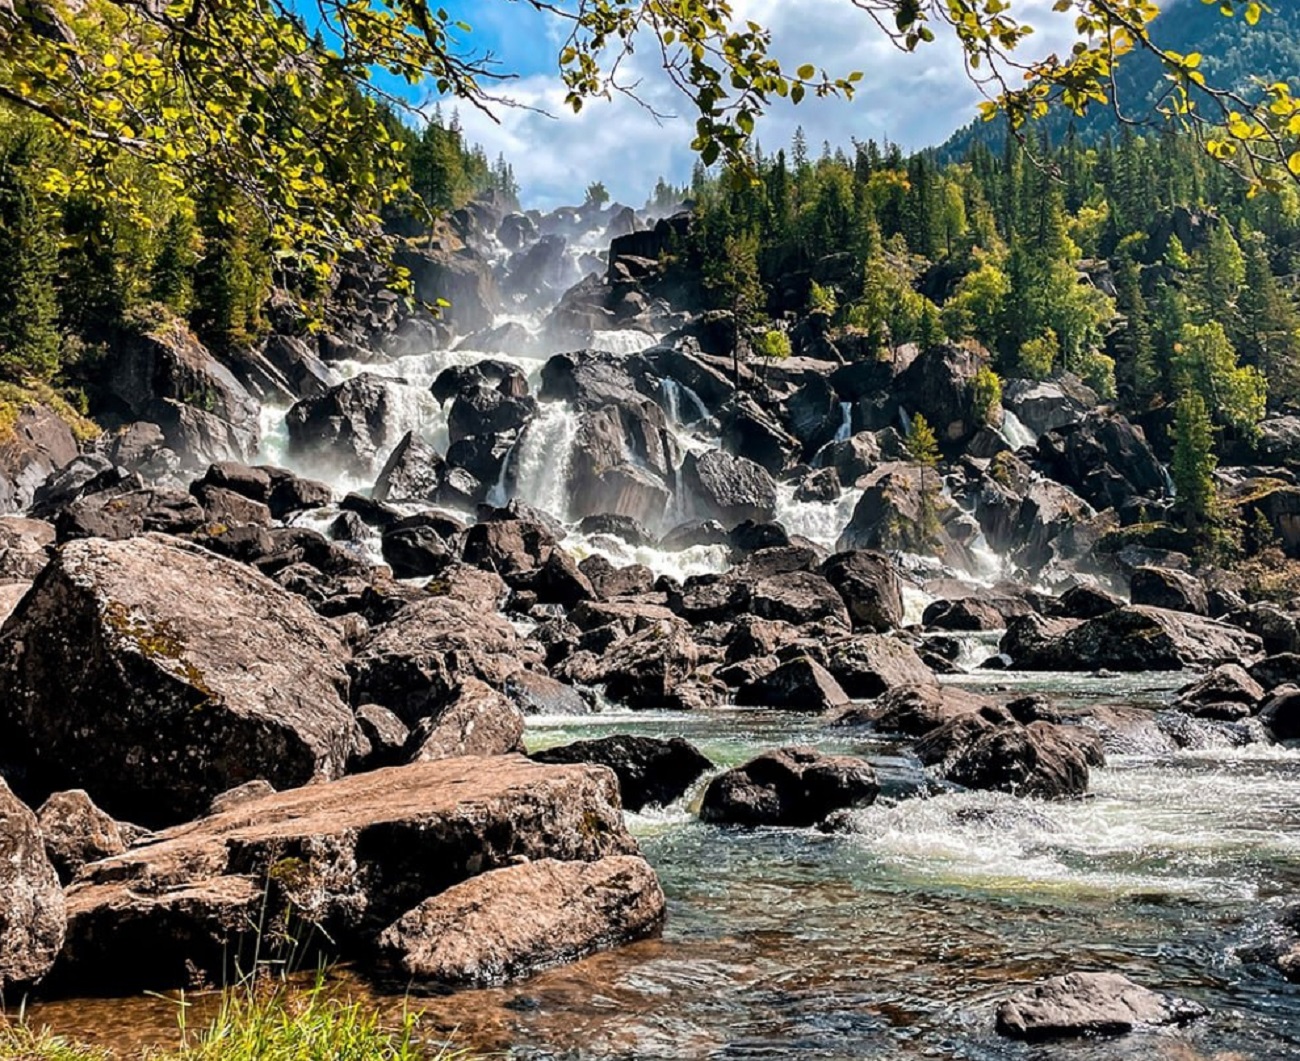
(1018, 436)
(545, 456)
(821, 522)
(674, 392)
(845, 430)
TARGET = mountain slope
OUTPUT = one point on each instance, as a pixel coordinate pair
(1234, 55)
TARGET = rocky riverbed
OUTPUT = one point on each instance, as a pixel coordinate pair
(829, 751)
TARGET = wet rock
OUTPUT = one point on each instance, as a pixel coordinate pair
(801, 684)
(727, 488)
(462, 278)
(990, 750)
(349, 426)
(869, 665)
(509, 923)
(694, 534)
(1227, 692)
(608, 581)
(791, 787)
(255, 484)
(747, 428)
(823, 486)
(1282, 669)
(412, 472)
(1089, 1004)
(349, 857)
(31, 900)
(487, 411)
(968, 614)
(1281, 713)
(474, 720)
(155, 674)
(76, 832)
(869, 585)
(537, 694)
(649, 770)
(1279, 630)
(607, 523)
(915, 710)
(1175, 591)
(901, 508)
(512, 547)
(1131, 639)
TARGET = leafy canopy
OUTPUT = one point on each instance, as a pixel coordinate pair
(242, 93)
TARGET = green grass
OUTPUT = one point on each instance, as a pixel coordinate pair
(266, 1021)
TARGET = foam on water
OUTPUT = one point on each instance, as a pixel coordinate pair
(1018, 436)
(680, 565)
(819, 521)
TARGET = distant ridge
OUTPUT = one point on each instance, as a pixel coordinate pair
(1233, 54)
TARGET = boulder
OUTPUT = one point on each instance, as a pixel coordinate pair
(791, 787)
(649, 770)
(349, 427)
(486, 411)
(510, 923)
(915, 710)
(940, 385)
(1044, 406)
(728, 489)
(1162, 587)
(1105, 460)
(801, 684)
(1281, 713)
(1227, 692)
(645, 671)
(1089, 1004)
(902, 508)
(76, 832)
(117, 516)
(155, 674)
(31, 901)
(25, 547)
(461, 278)
(1280, 669)
(747, 428)
(415, 662)
(167, 376)
(412, 472)
(537, 694)
(415, 552)
(797, 597)
(349, 857)
(869, 665)
(474, 720)
(1087, 602)
(38, 445)
(1134, 638)
(869, 585)
(991, 750)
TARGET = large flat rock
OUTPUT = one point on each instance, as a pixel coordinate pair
(347, 858)
(156, 675)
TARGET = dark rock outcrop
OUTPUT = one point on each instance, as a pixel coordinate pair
(791, 787)
(77, 832)
(649, 770)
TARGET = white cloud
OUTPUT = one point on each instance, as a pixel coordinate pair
(914, 100)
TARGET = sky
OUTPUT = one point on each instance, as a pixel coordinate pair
(915, 100)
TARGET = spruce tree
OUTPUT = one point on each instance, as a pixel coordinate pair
(29, 309)
(1194, 461)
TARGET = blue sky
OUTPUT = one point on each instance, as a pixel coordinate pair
(914, 100)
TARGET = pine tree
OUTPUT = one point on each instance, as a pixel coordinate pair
(1194, 461)
(172, 273)
(29, 310)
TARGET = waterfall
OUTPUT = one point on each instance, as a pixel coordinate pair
(499, 495)
(845, 431)
(1018, 436)
(545, 454)
(674, 392)
(623, 342)
(904, 422)
(821, 522)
